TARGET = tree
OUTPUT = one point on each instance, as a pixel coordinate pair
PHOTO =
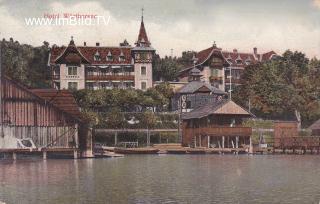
(25, 63)
(284, 87)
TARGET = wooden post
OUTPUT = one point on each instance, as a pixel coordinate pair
(250, 146)
(200, 141)
(14, 156)
(195, 141)
(208, 138)
(148, 138)
(76, 135)
(237, 144)
(222, 142)
(115, 138)
(75, 154)
(44, 155)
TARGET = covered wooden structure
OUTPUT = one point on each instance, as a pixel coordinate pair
(216, 125)
(49, 117)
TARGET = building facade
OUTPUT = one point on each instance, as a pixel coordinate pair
(99, 67)
(195, 93)
(223, 69)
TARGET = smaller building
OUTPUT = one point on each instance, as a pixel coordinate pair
(223, 69)
(315, 128)
(216, 125)
(195, 93)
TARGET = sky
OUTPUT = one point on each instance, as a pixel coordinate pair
(174, 24)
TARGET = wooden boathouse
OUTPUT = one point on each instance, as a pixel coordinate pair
(216, 125)
(50, 118)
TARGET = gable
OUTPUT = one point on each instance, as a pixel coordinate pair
(231, 108)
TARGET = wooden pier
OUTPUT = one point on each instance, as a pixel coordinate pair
(44, 152)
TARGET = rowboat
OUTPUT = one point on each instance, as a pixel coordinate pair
(143, 150)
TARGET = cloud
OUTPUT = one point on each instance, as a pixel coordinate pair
(316, 3)
(190, 26)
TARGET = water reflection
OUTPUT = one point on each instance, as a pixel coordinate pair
(163, 179)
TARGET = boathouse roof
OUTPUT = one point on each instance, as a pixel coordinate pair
(63, 99)
(198, 86)
(223, 107)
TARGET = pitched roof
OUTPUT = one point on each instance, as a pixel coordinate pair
(315, 125)
(225, 107)
(63, 99)
(194, 86)
(235, 58)
(142, 37)
(89, 53)
(71, 54)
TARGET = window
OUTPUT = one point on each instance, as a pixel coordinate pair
(143, 85)
(90, 72)
(72, 71)
(239, 61)
(97, 56)
(57, 71)
(72, 85)
(89, 85)
(214, 72)
(143, 71)
(143, 56)
(188, 104)
(109, 57)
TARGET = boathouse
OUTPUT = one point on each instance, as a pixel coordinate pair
(216, 125)
(50, 118)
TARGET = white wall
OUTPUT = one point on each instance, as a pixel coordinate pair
(138, 78)
(65, 78)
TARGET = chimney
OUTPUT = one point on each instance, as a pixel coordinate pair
(97, 44)
(255, 50)
(84, 44)
(235, 50)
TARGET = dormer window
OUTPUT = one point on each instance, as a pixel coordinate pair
(239, 61)
(109, 57)
(229, 60)
(97, 56)
(121, 57)
(248, 62)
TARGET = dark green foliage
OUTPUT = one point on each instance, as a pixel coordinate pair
(25, 63)
(282, 87)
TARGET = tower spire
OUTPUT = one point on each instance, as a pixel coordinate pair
(142, 10)
(143, 40)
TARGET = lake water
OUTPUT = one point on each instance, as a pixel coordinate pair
(163, 179)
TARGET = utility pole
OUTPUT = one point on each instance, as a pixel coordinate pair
(230, 86)
(1, 114)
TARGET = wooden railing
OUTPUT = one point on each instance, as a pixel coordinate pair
(222, 131)
(111, 77)
(233, 80)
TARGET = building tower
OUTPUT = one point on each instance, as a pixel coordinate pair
(143, 55)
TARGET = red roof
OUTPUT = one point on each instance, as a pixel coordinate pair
(142, 37)
(62, 99)
(231, 57)
(89, 53)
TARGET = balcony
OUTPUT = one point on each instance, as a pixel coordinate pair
(110, 77)
(233, 80)
(221, 131)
